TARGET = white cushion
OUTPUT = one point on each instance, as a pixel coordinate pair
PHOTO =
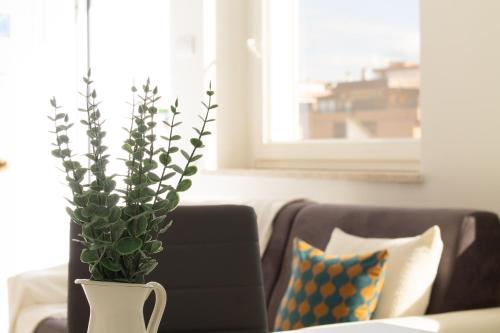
(411, 268)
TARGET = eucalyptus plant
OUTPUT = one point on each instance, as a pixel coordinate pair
(121, 228)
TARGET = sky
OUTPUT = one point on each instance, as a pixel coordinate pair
(4, 25)
(338, 37)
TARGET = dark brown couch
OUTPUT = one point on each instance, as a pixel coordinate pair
(469, 271)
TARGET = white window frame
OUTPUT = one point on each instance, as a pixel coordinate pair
(398, 155)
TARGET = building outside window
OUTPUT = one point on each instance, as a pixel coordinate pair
(340, 74)
(359, 57)
(389, 101)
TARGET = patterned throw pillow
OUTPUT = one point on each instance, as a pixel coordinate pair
(328, 289)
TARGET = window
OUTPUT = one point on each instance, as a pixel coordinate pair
(339, 130)
(341, 75)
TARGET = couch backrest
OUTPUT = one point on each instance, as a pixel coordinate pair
(210, 268)
(275, 251)
(469, 272)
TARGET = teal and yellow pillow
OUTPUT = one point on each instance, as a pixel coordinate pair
(328, 289)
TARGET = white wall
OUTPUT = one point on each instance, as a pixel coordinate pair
(233, 84)
(39, 61)
(460, 114)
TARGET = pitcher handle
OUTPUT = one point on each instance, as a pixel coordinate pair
(160, 303)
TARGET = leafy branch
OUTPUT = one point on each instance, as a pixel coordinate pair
(120, 237)
(197, 143)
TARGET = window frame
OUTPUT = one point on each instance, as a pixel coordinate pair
(393, 155)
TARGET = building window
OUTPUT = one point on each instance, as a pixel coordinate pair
(370, 127)
(343, 58)
(339, 130)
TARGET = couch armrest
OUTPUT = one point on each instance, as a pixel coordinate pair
(47, 286)
(483, 321)
(30, 317)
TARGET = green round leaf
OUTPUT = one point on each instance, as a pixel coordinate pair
(177, 169)
(159, 219)
(115, 213)
(173, 200)
(128, 245)
(79, 216)
(149, 165)
(153, 177)
(88, 232)
(88, 256)
(184, 185)
(160, 204)
(99, 223)
(117, 229)
(109, 185)
(80, 173)
(102, 211)
(148, 266)
(195, 158)
(196, 142)
(75, 187)
(111, 265)
(96, 273)
(113, 200)
(154, 246)
(190, 170)
(138, 226)
(138, 179)
(128, 148)
(165, 159)
(94, 198)
(62, 139)
(56, 152)
(70, 212)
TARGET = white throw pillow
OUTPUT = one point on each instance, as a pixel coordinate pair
(411, 268)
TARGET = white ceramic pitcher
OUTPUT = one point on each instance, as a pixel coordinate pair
(118, 307)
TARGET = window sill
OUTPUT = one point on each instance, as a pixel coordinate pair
(398, 177)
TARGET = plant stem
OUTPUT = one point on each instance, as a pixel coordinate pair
(152, 115)
(98, 146)
(168, 155)
(132, 167)
(130, 135)
(199, 138)
(87, 98)
(60, 149)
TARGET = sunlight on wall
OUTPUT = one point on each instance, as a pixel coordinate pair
(40, 62)
(43, 56)
(125, 51)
